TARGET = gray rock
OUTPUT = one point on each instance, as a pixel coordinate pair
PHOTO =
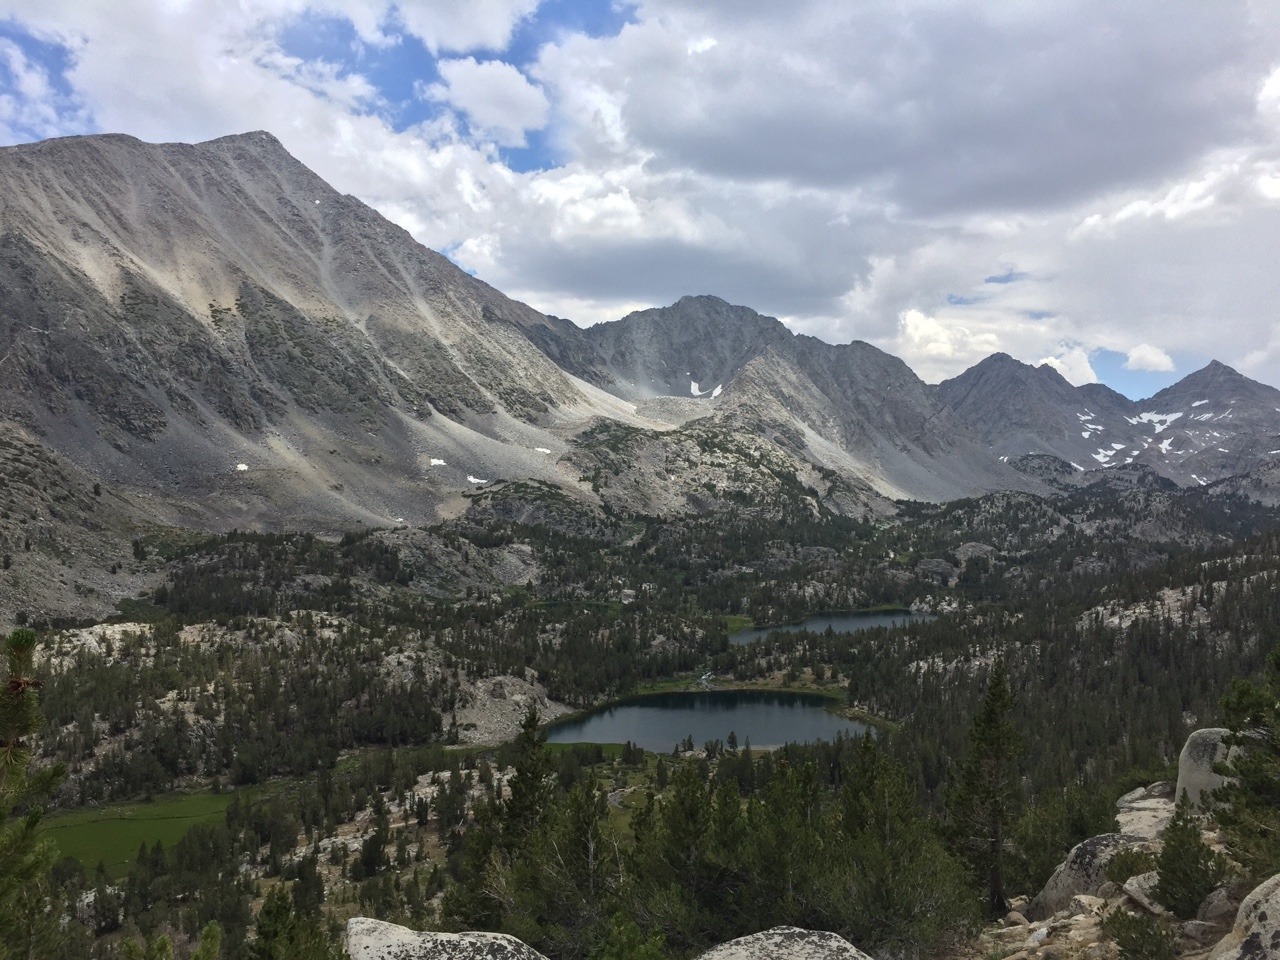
(1199, 932)
(1140, 890)
(1256, 934)
(784, 943)
(375, 940)
(1082, 872)
(1014, 919)
(1037, 937)
(1218, 907)
(1202, 750)
(1144, 818)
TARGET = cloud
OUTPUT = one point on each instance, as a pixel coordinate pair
(1073, 364)
(30, 104)
(459, 26)
(1146, 357)
(495, 97)
(938, 106)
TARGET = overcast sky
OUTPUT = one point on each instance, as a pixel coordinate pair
(1095, 183)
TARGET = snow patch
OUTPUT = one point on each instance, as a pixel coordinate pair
(1077, 466)
(241, 467)
(1159, 420)
(1165, 444)
(437, 462)
(476, 480)
(1086, 434)
(541, 450)
(717, 391)
(1200, 403)
(696, 389)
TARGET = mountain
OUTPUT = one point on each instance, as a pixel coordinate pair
(212, 330)
(1212, 424)
(851, 408)
(215, 324)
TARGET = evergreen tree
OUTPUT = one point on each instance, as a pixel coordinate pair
(1249, 804)
(1187, 869)
(531, 786)
(985, 797)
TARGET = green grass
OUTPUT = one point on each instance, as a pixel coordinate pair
(734, 622)
(113, 834)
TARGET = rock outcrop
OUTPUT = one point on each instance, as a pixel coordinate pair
(1145, 812)
(1256, 934)
(1202, 750)
(786, 943)
(1084, 871)
(375, 940)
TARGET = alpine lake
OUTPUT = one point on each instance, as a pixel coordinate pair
(768, 718)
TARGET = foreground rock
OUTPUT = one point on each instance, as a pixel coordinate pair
(786, 943)
(1256, 934)
(376, 940)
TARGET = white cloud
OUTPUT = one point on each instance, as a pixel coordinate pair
(496, 98)
(30, 106)
(1073, 364)
(1146, 357)
(460, 26)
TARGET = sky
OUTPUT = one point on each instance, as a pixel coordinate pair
(1094, 184)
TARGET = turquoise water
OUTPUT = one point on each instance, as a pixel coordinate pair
(659, 721)
(837, 622)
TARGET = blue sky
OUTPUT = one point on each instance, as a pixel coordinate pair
(1091, 184)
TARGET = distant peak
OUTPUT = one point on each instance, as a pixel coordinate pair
(253, 136)
(1217, 366)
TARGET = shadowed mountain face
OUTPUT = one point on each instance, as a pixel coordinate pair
(214, 327)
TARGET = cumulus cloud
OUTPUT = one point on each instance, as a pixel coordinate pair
(459, 26)
(1146, 357)
(1073, 363)
(30, 104)
(496, 98)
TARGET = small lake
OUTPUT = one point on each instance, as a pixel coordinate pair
(659, 721)
(837, 622)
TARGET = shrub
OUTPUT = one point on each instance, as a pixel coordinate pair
(1131, 862)
(1141, 936)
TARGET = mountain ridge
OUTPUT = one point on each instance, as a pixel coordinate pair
(214, 326)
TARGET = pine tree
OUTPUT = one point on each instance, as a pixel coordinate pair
(1249, 804)
(985, 797)
(1187, 869)
(531, 786)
